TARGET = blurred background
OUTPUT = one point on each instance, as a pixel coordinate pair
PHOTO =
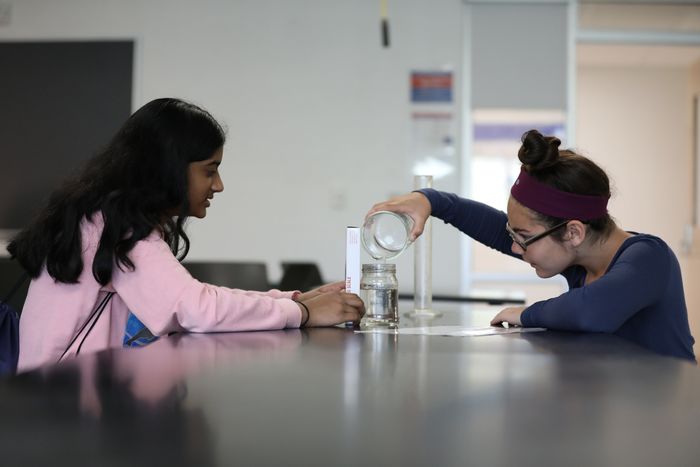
(326, 118)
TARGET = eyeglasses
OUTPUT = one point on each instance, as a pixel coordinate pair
(524, 242)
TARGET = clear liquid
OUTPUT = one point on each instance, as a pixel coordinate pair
(381, 305)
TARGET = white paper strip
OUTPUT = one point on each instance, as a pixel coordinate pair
(452, 331)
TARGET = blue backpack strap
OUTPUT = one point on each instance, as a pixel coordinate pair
(9, 339)
(9, 331)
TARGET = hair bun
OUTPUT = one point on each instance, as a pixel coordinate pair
(538, 152)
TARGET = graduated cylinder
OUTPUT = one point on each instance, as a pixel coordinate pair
(423, 257)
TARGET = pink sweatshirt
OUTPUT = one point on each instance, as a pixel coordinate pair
(159, 291)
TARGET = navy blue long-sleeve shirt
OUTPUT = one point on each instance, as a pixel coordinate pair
(640, 297)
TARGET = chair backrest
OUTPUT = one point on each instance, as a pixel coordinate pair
(235, 275)
(300, 276)
(10, 274)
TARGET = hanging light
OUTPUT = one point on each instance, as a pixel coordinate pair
(384, 23)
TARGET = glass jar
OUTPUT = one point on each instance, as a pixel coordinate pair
(379, 290)
(385, 234)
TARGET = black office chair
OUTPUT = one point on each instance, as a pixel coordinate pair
(236, 275)
(11, 274)
(300, 276)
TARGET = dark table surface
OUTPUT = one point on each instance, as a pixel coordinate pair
(333, 397)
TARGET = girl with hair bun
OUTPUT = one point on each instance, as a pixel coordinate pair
(104, 254)
(620, 282)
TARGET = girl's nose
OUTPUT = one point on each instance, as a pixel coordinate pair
(218, 185)
(517, 249)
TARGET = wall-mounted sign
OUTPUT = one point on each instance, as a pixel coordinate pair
(431, 86)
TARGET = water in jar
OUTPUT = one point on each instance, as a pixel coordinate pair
(381, 305)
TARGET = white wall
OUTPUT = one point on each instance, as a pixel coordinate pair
(318, 115)
(690, 263)
(634, 122)
(317, 110)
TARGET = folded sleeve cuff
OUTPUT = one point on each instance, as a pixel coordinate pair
(292, 313)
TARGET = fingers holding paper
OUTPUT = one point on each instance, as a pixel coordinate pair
(510, 315)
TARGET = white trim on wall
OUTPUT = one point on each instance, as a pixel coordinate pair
(696, 161)
(465, 246)
(571, 73)
(600, 36)
(137, 74)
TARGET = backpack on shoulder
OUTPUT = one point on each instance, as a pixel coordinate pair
(9, 332)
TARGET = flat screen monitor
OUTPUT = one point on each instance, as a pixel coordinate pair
(60, 102)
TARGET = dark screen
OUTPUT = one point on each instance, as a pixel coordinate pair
(60, 102)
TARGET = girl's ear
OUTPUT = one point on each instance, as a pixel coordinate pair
(575, 233)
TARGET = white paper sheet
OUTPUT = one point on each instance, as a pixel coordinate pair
(453, 331)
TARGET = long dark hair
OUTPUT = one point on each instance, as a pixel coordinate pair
(568, 171)
(138, 184)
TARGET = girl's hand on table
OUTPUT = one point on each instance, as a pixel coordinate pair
(510, 315)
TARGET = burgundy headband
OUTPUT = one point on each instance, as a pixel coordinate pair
(552, 202)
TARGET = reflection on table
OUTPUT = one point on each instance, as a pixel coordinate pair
(333, 397)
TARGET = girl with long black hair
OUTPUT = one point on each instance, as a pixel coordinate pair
(104, 255)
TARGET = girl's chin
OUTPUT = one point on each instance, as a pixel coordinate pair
(201, 214)
(544, 274)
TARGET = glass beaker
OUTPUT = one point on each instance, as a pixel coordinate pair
(385, 234)
(379, 290)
